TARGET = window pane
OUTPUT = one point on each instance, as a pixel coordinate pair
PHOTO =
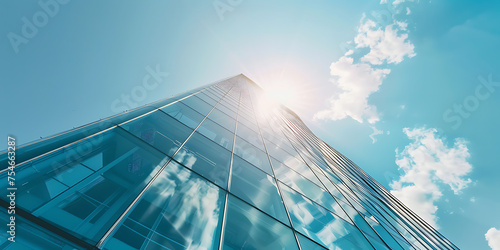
(252, 154)
(311, 191)
(109, 171)
(179, 211)
(184, 114)
(206, 98)
(206, 158)
(222, 119)
(257, 188)
(297, 165)
(226, 110)
(29, 236)
(249, 135)
(248, 228)
(308, 244)
(217, 133)
(159, 130)
(197, 104)
(320, 225)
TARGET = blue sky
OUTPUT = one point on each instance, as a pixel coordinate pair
(423, 74)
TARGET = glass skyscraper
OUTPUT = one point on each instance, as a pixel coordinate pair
(218, 167)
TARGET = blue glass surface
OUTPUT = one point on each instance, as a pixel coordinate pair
(252, 154)
(222, 119)
(248, 228)
(306, 243)
(311, 191)
(249, 135)
(184, 114)
(257, 188)
(179, 211)
(206, 158)
(84, 188)
(320, 225)
(29, 236)
(216, 133)
(198, 104)
(160, 130)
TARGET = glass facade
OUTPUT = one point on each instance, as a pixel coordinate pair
(219, 167)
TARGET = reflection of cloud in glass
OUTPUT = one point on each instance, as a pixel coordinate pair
(192, 205)
(186, 158)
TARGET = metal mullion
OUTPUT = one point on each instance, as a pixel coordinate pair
(276, 181)
(354, 175)
(119, 220)
(224, 215)
(361, 231)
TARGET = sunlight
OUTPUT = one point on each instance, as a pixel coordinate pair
(282, 93)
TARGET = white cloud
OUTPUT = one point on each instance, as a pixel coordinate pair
(375, 132)
(473, 199)
(493, 238)
(428, 163)
(385, 44)
(396, 2)
(357, 81)
(408, 11)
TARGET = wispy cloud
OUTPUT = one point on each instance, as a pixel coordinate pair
(428, 163)
(375, 132)
(493, 238)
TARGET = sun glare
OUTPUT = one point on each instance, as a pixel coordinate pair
(282, 94)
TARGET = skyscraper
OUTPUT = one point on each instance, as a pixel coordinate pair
(218, 167)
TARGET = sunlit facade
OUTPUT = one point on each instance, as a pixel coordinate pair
(218, 167)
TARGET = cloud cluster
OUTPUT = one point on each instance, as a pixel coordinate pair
(493, 238)
(428, 163)
(385, 44)
(357, 80)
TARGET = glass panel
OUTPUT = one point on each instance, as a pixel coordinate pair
(384, 234)
(311, 191)
(330, 187)
(297, 165)
(197, 104)
(29, 236)
(248, 228)
(308, 244)
(184, 114)
(217, 133)
(226, 110)
(207, 98)
(179, 211)
(257, 188)
(249, 135)
(247, 120)
(222, 119)
(42, 146)
(358, 219)
(229, 103)
(320, 225)
(252, 154)
(206, 158)
(90, 203)
(159, 130)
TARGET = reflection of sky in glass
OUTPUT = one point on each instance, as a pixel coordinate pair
(186, 210)
(320, 225)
